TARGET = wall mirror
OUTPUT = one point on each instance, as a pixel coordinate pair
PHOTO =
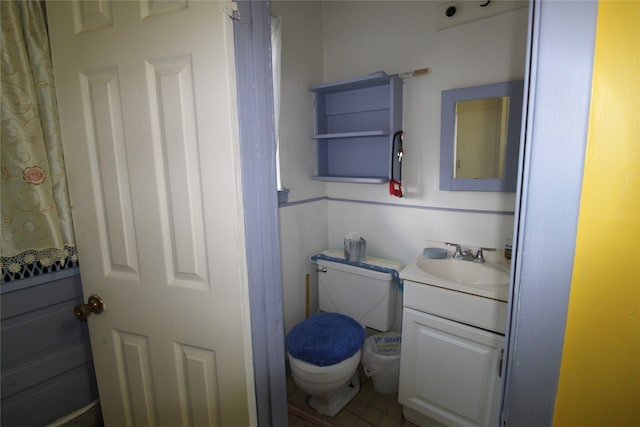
(480, 137)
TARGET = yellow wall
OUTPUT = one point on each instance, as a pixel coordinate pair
(600, 372)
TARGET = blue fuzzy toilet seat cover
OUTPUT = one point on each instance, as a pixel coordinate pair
(325, 339)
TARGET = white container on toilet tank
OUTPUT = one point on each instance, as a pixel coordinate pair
(365, 295)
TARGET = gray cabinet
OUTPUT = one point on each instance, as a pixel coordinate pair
(355, 122)
(47, 366)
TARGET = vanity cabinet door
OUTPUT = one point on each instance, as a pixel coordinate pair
(449, 371)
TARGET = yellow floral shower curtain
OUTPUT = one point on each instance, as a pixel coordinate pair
(37, 231)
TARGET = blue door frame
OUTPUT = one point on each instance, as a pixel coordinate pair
(553, 143)
(252, 33)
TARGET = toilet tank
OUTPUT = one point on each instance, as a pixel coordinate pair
(365, 295)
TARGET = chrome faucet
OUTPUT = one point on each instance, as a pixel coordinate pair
(467, 255)
(480, 255)
(458, 253)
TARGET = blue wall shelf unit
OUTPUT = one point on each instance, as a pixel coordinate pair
(355, 120)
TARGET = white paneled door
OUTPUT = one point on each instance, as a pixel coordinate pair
(146, 91)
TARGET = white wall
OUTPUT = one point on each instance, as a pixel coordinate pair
(326, 41)
(303, 233)
(395, 37)
(302, 66)
(303, 227)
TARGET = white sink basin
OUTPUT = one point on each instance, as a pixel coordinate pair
(489, 279)
(465, 272)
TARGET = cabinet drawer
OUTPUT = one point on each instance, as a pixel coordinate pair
(469, 309)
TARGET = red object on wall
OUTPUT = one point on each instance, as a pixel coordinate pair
(395, 183)
(395, 188)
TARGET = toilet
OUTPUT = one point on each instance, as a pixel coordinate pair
(324, 350)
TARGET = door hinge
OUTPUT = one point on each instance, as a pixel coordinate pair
(500, 364)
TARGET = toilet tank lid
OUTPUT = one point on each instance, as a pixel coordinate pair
(325, 339)
(372, 264)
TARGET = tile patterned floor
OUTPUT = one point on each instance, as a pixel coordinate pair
(369, 408)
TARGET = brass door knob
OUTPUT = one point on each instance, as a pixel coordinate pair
(94, 305)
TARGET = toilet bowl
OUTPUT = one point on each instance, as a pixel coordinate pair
(330, 387)
(324, 350)
(324, 353)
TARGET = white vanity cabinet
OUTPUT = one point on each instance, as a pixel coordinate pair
(451, 356)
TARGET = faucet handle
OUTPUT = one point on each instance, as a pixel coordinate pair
(480, 254)
(458, 252)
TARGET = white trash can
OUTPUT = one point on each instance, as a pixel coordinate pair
(381, 361)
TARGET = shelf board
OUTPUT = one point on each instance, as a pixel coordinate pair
(375, 79)
(351, 134)
(356, 179)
